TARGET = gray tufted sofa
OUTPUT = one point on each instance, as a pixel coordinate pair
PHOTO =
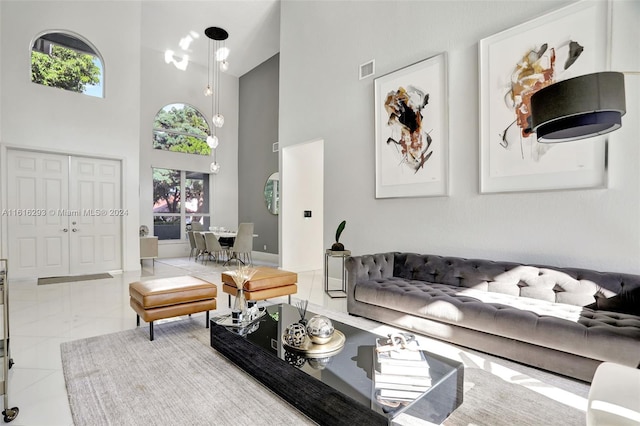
(565, 320)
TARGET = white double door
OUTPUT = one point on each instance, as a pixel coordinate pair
(64, 214)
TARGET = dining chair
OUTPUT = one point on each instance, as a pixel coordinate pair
(243, 244)
(192, 243)
(201, 245)
(214, 248)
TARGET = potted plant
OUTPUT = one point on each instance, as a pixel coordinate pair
(338, 246)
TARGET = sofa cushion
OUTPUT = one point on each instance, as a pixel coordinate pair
(560, 326)
(500, 277)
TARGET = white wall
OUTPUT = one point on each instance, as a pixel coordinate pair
(303, 171)
(161, 85)
(1, 13)
(45, 118)
(322, 45)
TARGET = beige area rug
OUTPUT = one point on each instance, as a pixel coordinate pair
(178, 379)
(72, 278)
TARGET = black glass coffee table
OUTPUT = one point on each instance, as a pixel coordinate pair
(349, 371)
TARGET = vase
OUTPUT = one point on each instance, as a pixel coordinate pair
(240, 304)
(241, 276)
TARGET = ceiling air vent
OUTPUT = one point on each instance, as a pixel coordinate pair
(367, 69)
(276, 147)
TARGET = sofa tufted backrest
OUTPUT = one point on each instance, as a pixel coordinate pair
(371, 267)
(582, 287)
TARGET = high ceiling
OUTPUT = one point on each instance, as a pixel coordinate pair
(253, 27)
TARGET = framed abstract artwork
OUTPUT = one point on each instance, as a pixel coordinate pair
(412, 134)
(514, 64)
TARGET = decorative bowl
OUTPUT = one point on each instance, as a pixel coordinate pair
(320, 329)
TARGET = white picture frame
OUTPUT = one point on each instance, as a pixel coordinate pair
(411, 147)
(511, 158)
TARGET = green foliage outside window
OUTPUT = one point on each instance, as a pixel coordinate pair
(64, 68)
(181, 128)
(179, 197)
(166, 191)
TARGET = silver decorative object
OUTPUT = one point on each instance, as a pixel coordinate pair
(319, 363)
(320, 329)
(295, 359)
(295, 334)
(302, 310)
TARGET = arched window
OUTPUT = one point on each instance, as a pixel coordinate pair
(66, 61)
(181, 128)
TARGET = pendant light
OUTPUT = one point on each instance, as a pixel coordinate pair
(218, 52)
(579, 108)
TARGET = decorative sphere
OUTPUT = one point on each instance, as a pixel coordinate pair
(295, 334)
(320, 329)
(212, 141)
(319, 363)
(218, 120)
(296, 360)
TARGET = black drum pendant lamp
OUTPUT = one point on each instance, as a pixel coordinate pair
(579, 107)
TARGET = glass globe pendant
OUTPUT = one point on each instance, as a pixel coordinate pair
(214, 168)
(218, 120)
(212, 141)
(208, 91)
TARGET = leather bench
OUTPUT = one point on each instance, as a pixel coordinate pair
(265, 284)
(171, 297)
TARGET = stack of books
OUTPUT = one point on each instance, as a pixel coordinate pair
(400, 375)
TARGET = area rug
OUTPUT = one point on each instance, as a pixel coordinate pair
(178, 379)
(72, 278)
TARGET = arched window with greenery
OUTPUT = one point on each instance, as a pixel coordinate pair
(66, 61)
(181, 128)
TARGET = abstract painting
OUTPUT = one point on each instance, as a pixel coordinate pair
(412, 130)
(516, 63)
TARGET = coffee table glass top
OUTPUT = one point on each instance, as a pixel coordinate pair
(350, 370)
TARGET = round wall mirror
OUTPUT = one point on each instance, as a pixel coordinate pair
(272, 193)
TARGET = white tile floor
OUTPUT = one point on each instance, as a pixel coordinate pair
(43, 316)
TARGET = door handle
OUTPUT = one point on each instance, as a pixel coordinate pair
(65, 230)
(74, 230)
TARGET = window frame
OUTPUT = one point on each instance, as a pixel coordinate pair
(95, 53)
(173, 131)
(183, 214)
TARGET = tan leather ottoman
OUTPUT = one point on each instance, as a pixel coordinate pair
(171, 297)
(265, 284)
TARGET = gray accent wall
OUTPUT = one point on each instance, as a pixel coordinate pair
(321, 97)
(258, 131)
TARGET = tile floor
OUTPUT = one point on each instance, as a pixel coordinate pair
(44, 316)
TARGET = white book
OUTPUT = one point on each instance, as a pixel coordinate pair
(401, 386)
(401, 379)
(403, 370)
(399, 394)
(405, 357)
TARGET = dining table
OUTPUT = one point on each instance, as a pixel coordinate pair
(226, 238)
